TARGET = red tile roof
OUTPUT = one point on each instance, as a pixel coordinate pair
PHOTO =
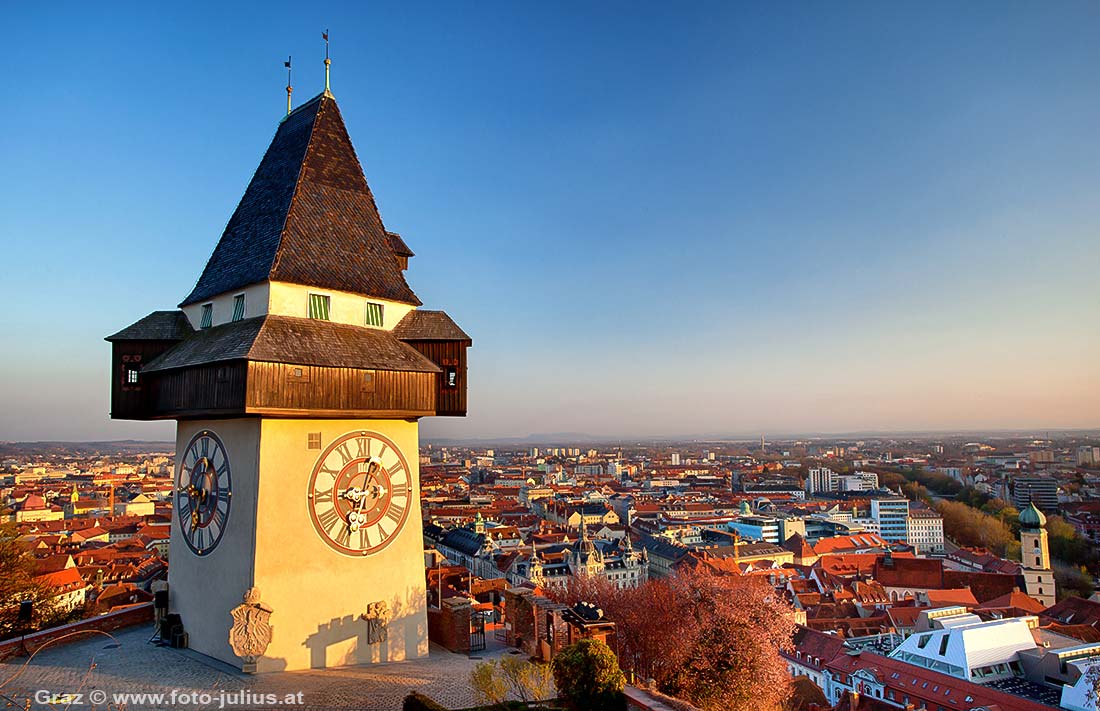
(933, 688)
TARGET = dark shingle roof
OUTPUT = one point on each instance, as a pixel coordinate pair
(297, 341)
(157, 326)
(421, 325)
(307, 217)
(664, 548)
(399, 247)
(464, 540)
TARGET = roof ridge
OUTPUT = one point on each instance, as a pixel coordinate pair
(298, 181)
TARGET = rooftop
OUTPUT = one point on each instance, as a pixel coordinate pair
(308, 217)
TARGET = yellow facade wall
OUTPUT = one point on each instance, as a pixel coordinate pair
(293, 300)
(284, 299)
(317, 595)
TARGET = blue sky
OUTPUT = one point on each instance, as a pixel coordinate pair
(653, 218)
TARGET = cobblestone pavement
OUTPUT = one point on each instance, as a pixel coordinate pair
(95, 665)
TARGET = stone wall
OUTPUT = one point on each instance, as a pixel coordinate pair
(450, 625)
(535, 624)
(75, 631)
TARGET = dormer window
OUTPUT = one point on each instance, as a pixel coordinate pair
(207, 319)
(238, 307)
(374, 314)
(320, 306)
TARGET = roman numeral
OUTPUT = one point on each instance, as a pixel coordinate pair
(327, 518)
(399, 490)
(199, 538)
(322, 483)
(220, 516)
(364, 539)
(395, 512)
(183, 505)
(322, 496)
(396, 469)
(364, 446)
(345, 452)
(204, 443)
(382, 452)
(343, 536)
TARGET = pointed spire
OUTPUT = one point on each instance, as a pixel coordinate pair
(328, 63)
(307, 217)
(289, 89)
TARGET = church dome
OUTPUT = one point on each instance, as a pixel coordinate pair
(1032, 517)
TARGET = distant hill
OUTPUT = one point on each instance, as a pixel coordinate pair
(124, 446)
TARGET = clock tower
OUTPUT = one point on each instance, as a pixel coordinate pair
(1035, 556)
(298, 369)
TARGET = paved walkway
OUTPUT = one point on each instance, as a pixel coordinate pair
(98, 671)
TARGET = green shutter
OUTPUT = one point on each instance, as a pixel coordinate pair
(238, 307)
(207, 316)
(319, 306)
(374, 314)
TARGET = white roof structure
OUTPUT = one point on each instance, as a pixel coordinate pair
(967, 648)
(1081, 696)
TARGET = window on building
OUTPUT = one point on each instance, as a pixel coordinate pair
(131, 375)
(207, 318)
(943, 644)
(319, 306)
(238, 307)
(451, 377)
(374, 314)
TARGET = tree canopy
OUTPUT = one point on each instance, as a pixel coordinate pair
(712, 640)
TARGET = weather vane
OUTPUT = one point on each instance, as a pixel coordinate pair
(328, 62)
(289, 90)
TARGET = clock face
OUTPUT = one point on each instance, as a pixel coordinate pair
(204, 492)
(359, 493)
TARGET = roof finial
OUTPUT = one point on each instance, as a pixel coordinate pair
(328, 62)
(289, 90)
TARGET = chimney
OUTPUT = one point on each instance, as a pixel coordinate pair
(853, 701)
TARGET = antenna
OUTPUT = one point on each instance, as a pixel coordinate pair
(289, 89)
(328, 62)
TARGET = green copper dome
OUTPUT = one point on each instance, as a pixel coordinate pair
(1032, 517)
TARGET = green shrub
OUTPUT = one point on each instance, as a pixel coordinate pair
(588, 677)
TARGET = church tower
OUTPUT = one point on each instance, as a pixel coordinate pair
(1035, 555)
(298, 369)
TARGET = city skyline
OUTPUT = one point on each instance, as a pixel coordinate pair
(728, 220)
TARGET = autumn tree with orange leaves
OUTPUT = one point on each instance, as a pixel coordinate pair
(711, 640)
